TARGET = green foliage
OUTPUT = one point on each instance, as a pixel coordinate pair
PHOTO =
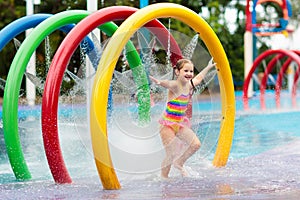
(9, 11)
(54, 6)
(232, 41)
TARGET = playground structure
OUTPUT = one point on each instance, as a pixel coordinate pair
(252, 61)
(99, 101)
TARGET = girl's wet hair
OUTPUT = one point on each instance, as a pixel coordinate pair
(181, 62)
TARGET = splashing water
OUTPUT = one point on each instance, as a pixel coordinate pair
(2, 84)
(168, 58)
(190, 48)
(48, 54)
(17, 43)
(124, 61)
(255, 78)
(206, 80)
(35, 80)
(126, 79)
(148, 57)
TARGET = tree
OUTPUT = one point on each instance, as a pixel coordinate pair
(232, 40)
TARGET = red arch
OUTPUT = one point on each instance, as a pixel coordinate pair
(294, 89)
(278, 84)
(256, 63)
(263, 84)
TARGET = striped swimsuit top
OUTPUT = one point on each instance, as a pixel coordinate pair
(176, 108)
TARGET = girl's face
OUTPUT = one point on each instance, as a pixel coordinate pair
(186, 73)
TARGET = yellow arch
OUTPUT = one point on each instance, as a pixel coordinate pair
(98, 114)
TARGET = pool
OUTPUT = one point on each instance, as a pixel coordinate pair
(263, 162)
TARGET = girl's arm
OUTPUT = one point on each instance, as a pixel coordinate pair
(197, 79)
(164, 83)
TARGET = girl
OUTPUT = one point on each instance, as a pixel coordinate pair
(174, 122)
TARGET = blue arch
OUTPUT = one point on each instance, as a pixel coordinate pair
(20, 25)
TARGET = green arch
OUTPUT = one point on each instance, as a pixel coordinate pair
(15, 76)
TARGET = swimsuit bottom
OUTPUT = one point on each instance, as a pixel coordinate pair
(176, 125)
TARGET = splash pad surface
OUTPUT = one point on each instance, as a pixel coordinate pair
(262, 164)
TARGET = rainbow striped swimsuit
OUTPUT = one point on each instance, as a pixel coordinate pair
(174, 115)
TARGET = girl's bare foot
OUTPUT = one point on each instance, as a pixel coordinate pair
(180, 168)
(164, 175)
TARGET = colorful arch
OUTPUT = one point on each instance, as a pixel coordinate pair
(13, 84)
(98, 113)
(278, 84)
(256, 63)
(11, 137)
(13, 143)
(294, 88)
(263, 84)
(62, 58)
(296, 77)
(20, 25)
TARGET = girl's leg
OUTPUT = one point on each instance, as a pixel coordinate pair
(168, 136)
(193, 144)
